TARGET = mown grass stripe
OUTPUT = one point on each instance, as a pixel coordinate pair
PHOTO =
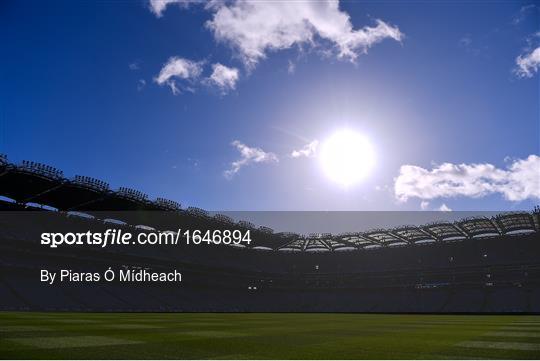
(70, 341)
(22, 328)
(501, 345)
(514, 334)
(520, 328)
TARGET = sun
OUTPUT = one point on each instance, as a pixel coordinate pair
(347, 157)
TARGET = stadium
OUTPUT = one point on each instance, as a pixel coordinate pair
(332, 288)
(477, 265)
(261, 179)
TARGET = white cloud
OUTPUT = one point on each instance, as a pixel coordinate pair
(520, 181)
(255, 27)
(223, 77)
(159, 6)
(178, 68)
(445, 208)
(308, 150)
(424, 205)
(528, 63)
(248, 155)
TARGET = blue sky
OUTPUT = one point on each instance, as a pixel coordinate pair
(447, 94)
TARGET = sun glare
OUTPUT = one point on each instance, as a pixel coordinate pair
(347, 157)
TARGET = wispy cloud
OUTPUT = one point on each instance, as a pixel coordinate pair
(465, 41)
(424, 205)
(520, 181)
(309, 150)
(223, 77)
(248, 155)
(255, 28)
(134, 65)
(141, 84)
(523, 12)
(291, 67)
(177, 68)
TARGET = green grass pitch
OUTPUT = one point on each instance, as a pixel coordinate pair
(266, 336)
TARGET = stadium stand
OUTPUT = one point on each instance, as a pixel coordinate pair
(476, 265)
